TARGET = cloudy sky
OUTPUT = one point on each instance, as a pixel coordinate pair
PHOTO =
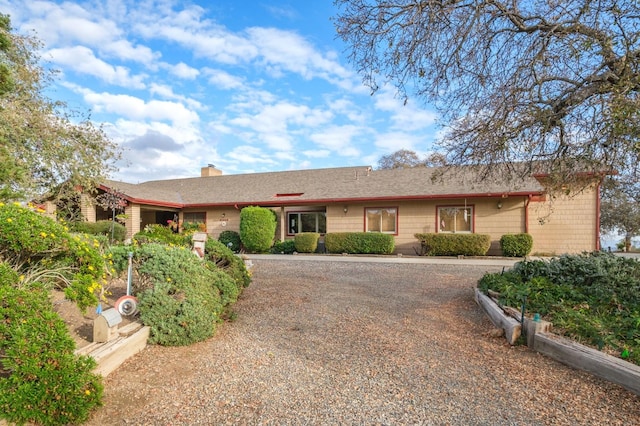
(248, 86)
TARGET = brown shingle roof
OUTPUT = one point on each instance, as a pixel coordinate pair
(321, 186)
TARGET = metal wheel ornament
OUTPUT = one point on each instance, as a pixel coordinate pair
(127, 305)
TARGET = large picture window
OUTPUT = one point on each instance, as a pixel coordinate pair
(455, 219)
(382, 219)
(307, 222)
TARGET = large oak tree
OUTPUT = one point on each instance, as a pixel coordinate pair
(45, 149)
(535, 82)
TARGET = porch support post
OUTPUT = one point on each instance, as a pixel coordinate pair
(132, 211)
(283, 223)
(87, 208)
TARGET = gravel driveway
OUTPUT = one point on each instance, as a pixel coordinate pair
(353, 343)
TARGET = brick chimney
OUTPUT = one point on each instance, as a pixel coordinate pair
(210, 170)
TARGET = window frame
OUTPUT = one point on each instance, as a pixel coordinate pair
(184, 217)
(301, 212)
(472, 221)
(366, 219)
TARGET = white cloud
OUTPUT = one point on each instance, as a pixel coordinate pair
(134, 108)
(182, 70)
(82, 60)
(223, 79)
(338, 139)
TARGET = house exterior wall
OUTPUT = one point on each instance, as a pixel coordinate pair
(569, 225)
(420, 217)
(217, 219)
(564, 225)
(132, 222)
(87, 208)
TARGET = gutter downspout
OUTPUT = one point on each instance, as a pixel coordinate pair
(526, 213)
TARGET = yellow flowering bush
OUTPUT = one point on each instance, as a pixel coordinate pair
(42, 250)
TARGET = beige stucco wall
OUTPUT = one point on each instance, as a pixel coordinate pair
(218, 219)
(569, 225)
(132, 222)
(565, 224)
(420, 217)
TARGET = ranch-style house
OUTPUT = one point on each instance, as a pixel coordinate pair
(400, 202)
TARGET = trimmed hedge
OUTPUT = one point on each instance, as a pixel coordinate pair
(101, 227)
(306, 242)
(454, 244)
(257, 228)
(359, 243)
(283, 247)
(516, 245)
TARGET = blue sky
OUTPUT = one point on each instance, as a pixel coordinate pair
(249, 86)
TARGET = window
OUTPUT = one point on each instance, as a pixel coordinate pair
(382, 219)
(307, 222)
(199, 217)
(455, 219)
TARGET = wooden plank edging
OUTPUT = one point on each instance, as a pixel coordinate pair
(581, 357)
(512, 328)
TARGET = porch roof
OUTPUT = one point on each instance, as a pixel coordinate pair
(323, 186)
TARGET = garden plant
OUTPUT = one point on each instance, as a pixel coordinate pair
(593, 298)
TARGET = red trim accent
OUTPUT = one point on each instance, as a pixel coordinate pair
(526, 214)
(292, 194)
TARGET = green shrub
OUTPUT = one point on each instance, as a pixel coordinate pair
(231, 240)
(592, 297)
(433, 244)
(516, 245)
(283, 247)
(42, 250)
(42, 381)
(257, 228)
(227, 261)
(359, 242)
(306, 242)
(180, 299)
(101, 227)
(162, 234)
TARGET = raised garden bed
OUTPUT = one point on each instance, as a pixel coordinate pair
(541, 339)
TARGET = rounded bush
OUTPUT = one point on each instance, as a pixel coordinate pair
(306, 242)
(42, 381)
(283, 247)
(231, 240)
(516, 245)
(257, 228)
(179, 296)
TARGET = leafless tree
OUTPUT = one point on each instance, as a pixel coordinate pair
(401, 159)
(536, 82)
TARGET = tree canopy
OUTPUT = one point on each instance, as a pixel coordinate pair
(45, 149)
(401, 159)
(620, 209)
(545, 82)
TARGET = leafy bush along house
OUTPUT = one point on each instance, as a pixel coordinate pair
(401, 202)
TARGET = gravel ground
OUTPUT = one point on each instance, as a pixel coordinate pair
(327, 343)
